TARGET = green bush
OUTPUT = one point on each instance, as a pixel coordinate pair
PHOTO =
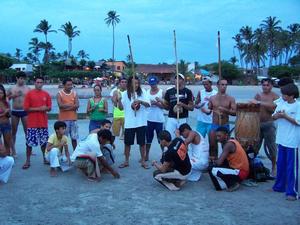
(5, 62)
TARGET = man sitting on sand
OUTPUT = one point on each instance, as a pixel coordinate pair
(6, 164)
(176, 166)
(198, 150)
(57, 143)
(232, 166)
(88, 155)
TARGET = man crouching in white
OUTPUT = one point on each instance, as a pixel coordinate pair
(89, 158)
(176, 166)
(6, 164)
(198, 150)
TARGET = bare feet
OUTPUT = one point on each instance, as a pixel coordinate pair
(145, 165)
(53, 172)
(123, 165)
(233, 187)
(291, 198)
(26, 166)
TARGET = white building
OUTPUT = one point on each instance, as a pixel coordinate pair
(27, 68)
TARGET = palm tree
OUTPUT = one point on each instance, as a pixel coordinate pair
(34, 47)
(270, 26)
(294, 33)
(47, 47)
(240, 46)
(233, 60)
(18, 54)
(71, 32)
(247, 36)
(82, 54)
(259, 47)
(183, 67)
(45, 28)
(112, 19)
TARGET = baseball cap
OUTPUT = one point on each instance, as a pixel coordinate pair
(180, 76)
(152, 80)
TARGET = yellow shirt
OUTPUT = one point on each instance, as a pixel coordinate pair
(55, 141)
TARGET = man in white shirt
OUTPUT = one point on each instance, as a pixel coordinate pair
(88, 153)
(156, 118)
(134, 104)
(204, 120)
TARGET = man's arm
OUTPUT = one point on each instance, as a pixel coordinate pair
(232, 108)
(61, 106)
(108, 167)
(227, 149)
(162, 167)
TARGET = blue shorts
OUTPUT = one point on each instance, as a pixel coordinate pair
(36, 136)
(151, 127)
(72, 129)
(5, 128)
(203, 128)
(214, 127)
(19, 113)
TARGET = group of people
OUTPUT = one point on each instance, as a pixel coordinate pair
(138, 114)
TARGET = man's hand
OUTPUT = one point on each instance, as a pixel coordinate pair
(154, 162)
(177, 133)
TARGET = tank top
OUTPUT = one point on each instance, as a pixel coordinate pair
(70, 100)
(95, 114)
(155, 114)
(117, 112)
(199, 151)
(201, 116)
(238, 159)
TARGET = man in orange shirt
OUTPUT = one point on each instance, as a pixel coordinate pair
(37, 103)
(232, 166)
(68, 104)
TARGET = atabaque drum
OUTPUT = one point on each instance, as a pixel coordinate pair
(247, 126)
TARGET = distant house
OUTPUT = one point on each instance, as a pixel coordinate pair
(164, 72)
(27, 68)
(119, 66)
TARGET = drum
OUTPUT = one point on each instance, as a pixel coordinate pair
(247, 125)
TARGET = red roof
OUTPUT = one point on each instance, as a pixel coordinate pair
(155, 68)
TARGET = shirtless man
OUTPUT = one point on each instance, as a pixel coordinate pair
(222, 106)
(17, 94)
(267, 126)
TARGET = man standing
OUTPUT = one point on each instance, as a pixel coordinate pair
(267, 126)
(155, 117)
(176, 166)
(232, 166)
(118, 115)
(134, 102)
(184, 106)
(37, 103)
(17, 94)
(68, 104)
(221, 106)
(203, 119)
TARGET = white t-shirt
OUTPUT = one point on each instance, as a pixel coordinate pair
(201, 116)
(155, 114)
(288, 134)
(88, 145)
(132, 120)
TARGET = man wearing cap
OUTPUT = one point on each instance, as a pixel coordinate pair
(184, 106)
(155, 118)
(204, 120)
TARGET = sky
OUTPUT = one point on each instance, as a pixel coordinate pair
(149, 23)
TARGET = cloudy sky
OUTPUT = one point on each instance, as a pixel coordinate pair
(150, 24)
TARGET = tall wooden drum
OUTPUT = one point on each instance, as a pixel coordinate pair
(247, 125)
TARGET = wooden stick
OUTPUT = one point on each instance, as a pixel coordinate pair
(177, 76)
(219, 55)
(133, 72)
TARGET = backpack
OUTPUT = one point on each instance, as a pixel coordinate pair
(258, 172)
